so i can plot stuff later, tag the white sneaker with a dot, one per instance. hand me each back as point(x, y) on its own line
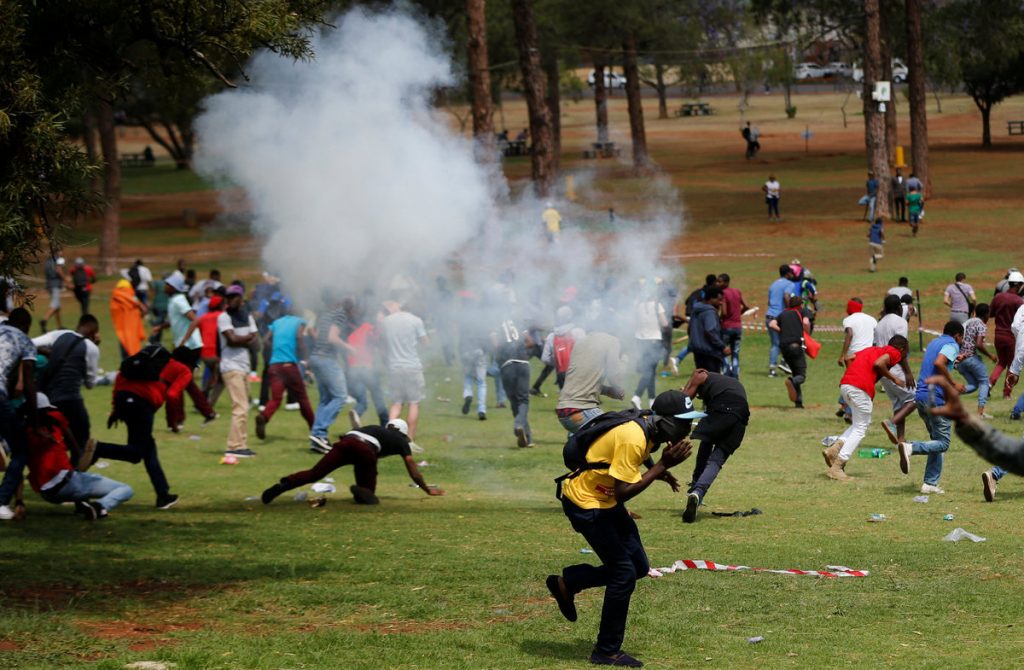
point(906, 449)
point(292, 406)
point(6, 513)
point(636, 401)
point(785, 367)
point(829, 441)
point(673, 365)
point(354, 419)
point(928, 488)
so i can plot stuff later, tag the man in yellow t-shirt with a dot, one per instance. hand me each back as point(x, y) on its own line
point(594, 501)
point(552, 222)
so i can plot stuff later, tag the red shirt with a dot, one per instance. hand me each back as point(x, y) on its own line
point(732, 299)
point(1003, 308)
point(861, 372)
point(207, 327)
point(362, 339)
point(173, 380)
point(47, 452)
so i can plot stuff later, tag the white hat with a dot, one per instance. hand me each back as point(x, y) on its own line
point(176, 280)
point(42, 402)
point(60, 260)
point(400, 425)
point(1015, 277)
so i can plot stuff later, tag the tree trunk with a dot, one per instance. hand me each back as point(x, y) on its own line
point(787, 94)
point(659, 79)
point(874, 121)
point(89, 139)
point(534, 85)
point(986, 127)
point(480, 78)
point(600, 99)
point(918, 97)
point(891, 131)
point(555, 105)
point(110, 237)
point(641, 161)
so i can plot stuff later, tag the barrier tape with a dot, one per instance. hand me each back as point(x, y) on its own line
point(830, 570)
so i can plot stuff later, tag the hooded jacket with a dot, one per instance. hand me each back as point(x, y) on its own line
point(706, 331)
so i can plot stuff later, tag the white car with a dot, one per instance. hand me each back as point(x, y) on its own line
point(838, 69)
point(611, 79)
point(809, 71)
point(899, 72)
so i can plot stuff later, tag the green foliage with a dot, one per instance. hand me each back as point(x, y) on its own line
point(791, 112)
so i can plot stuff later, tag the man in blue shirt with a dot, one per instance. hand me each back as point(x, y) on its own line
point(285, 338)
point(778, 297)
point(876, 238)
point(938, 360)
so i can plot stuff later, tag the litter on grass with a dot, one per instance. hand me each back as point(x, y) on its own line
point(99, 465)
point(194, 438)
point(876, 518)
point(323, 487)
point(251, 498)
point(921, 499)
point(948, 517)
point(584, 550)
point(756, 639)
point(300, 496)
point(958, 534)
point(829, 571)
point(750, 512)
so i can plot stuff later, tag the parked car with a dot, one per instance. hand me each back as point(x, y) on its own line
point(899, 72)
point(611, 80)
point(809, 71)
point(838, 69)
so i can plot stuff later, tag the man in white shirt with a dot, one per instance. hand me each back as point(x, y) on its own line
point(238, 336)
point(187, 346)
point(893, 323)
point(403, 333)
point(772, 191)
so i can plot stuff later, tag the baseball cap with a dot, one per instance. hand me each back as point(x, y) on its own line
point(400, 425)
point(676, 404)
point(79, 261)
point(235, 289)
point(176, 280)
point(42, 402)
point(1015, 277)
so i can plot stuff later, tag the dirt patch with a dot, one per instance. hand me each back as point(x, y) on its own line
point(9, 645)
point(64, 596)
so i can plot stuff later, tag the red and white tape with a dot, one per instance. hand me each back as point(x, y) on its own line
point(830, 570)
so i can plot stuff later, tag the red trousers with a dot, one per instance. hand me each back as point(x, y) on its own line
point(287, 376)
point(346, 451)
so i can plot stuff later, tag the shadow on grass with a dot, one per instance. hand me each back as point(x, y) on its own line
point(577, 650)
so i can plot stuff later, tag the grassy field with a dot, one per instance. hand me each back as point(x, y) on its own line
point(222, 581)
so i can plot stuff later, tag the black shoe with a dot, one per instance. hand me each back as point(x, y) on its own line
point(840, 413)
point(466, 402)
point(166, 501)
point(520, 438)
point(620, 658)
point(482, 416)
point(241, 453)
point(363, 496)
point(565, 605)
point(798, 405)
point(534, 391)
point(85, 510)
point(692, 503)
point(101, 511)
point(271, 493)
point(210, 419)
point(261, 426)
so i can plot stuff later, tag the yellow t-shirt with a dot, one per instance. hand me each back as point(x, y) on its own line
point(552, 219)
point(625, 447)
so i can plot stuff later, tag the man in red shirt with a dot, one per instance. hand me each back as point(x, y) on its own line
point(363, 373)
point(1002, 309)
point(733, 307)
point(50, 472)
point(136, 403)
point(857, 388)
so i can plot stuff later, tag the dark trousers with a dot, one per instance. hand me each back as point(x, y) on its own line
point(773, 206)
point(649, 355)
point(346, 451)
point(709, 363)
point(616, 540)
point(732, 337)
point(83, 296)
point(720, 434)
point(515, 377)
point(364, 385)
point(74, 411)
point(175, 411)
point(137, 415)
point(287, 376)
point(795, 358)
point(12, 429)
point(542, 377)
point(899, 208)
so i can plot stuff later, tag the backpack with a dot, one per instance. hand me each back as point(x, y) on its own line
point(79, 277)
point(562, 346)
point(134, 277)
point(63, 348)
point(147, 364)
point(574, 453)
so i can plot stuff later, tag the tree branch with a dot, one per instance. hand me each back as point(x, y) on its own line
point(214, 70)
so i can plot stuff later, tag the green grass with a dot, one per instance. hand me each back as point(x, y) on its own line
point(161, 178)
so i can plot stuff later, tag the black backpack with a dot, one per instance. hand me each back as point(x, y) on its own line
point(147, 364)
point(574, 453)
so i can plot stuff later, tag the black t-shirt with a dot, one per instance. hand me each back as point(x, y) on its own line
point(791, 325)
point(334, 317)
point(392, 442)
point(511, 344)
point(724, 394)
point(66, 370)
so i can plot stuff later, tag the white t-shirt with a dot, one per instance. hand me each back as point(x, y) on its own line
point(649, 314)
point(402, 332)
point(234, 359)
point(899, 291)
point(863, 328)
point(772, 188)
point(889, 325)
point(145, 278)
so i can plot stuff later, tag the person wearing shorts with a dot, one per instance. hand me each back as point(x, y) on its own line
point(402, 333)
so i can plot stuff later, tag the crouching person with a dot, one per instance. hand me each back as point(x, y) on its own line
point(51, 474)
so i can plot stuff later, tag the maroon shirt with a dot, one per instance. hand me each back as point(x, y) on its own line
point(1003, 308)
point(732, 300)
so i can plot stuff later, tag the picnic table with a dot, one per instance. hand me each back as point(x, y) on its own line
point(602, 150)
point(515, 148)
point(1015, 127)
point(135, 160)
point(695, 109)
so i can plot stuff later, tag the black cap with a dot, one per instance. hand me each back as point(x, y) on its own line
point(676, 404)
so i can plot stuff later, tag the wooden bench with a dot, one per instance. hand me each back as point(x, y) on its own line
point(515, 148)
point(695, 109)
point(135, 160)
point(1015, 127)
point(602, 150)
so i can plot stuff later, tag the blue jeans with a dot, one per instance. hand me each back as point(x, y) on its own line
point(365, 384)
point(683, 353)
point(1018, 407)
point(732, 338)
point(973, 370)
point(576, 420)
point(12, 429)
point(773, 338)
point(515, 377)
point(939, 431)
point(330, 382)
point(997, 472)
point(84, 486)
point(474, 374)
point(500, 397)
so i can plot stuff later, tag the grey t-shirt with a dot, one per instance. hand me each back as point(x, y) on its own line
point(889, 325)
point(594, 363)
point(958, 303)
point(402, 332)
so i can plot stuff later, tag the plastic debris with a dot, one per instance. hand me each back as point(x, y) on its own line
point(415, 448)
point(229, 459)
point(877, 452)
point(251, 498)
point(921, 499)
point(301, 496)
point(654, 572)
point(151, 665)
point(323, 487)
point(948, 517)
point(329, 480)
point(423, 464)
point(584, 550)
point(876, 518)
point(756, 639)
point(958, 534)
point(99, 465)
point(194, 438)
point(317, 502)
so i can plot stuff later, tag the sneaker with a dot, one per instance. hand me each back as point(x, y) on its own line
point(890, 430)
point(930, 488)
point(619, 658)
point(635, 400)
point(178, 428)
point(520, 437)
point(785, 367)
point(210, 419)
point(988, 485)
point(317, 443)
point(829, 441)
point(166, 501)
point(840, 413)
point(291, 406)
point(534, 391)
point(6, 513)
point(87, 456)
point(1014, 416)
point(692, 503)
point(466, 402)
point(241, 453)
point(85, 510)
point(101, 511)
point(986, 416)
point(905, 449)
point(482, 416)
point(355, 419)
point(772, 373)
point(565, 600)
point(261, 426)
point(791, 389)
point(501, 405)
point(673, 366)
point(363, 496)
point(271, 493)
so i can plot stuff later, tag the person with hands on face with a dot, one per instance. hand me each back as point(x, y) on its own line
point(594, 502)
point(720, 431)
